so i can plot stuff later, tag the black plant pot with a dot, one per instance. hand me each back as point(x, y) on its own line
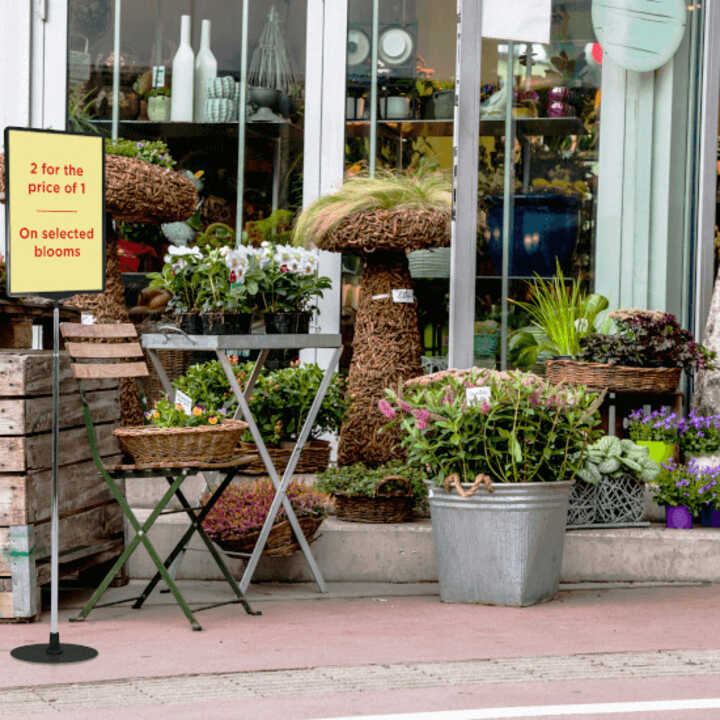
point(239, 323)
point(190, 323)
point(288, 323)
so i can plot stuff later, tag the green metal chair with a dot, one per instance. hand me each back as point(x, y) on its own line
point(111, 351)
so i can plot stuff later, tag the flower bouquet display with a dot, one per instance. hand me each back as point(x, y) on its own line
point(610, 485)
point(180, 433)
point(491, 442)
point(288, 287)
point(235, 521)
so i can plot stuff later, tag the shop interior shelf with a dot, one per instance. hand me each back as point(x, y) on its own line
point(142, 129)
point(527, 127)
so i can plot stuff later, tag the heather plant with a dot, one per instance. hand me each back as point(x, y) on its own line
point(242, 509)
point(690, 485)
point(700, 434)
point(656, 426)
point(646, 338)
point(513, 427)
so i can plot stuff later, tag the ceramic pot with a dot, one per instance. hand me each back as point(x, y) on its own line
point(396, 107)
point(158, 109)
point(264, 97)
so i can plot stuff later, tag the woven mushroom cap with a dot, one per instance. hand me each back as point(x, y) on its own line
point(136, 191)
point(395, 230)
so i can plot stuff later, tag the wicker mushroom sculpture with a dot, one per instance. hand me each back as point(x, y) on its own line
point(398, 214)
point(139, 192)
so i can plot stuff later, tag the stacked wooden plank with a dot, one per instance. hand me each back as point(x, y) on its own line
point(91, 525)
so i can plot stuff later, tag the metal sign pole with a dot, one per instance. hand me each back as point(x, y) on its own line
point(54, 652)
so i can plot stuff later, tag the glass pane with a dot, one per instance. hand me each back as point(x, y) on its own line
point(556, 94)
point(416, 67)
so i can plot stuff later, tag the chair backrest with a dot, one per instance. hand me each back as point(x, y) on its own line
point(104, 354)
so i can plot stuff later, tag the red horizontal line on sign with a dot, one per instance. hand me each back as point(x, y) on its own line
point(58, 211)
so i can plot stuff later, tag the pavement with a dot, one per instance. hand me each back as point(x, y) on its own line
point(597, 650)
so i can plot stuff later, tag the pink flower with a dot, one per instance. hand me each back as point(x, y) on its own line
point(449, 398)
point(284, 268)
point(404, 406)
point(422, 424)
point(386, 409)
point(485, 408)
point(422, 416)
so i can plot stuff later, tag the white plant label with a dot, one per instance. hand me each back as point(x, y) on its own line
point(87, 318)
point(404, 295)
point(184, 401)
point(158, 76)
point(478, 395)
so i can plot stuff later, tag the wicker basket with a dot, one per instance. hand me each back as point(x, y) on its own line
point(281, 540)
point(614, 378)
point(315, 457)
point(620, 500)
point(207, 443)
point(582, 504)
point(393, 507)
point(175, 362)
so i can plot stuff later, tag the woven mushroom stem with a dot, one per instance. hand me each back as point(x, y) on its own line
point(398, 230)
point(386, 351)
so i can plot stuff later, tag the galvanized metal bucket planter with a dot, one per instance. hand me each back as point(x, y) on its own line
point(500, 548)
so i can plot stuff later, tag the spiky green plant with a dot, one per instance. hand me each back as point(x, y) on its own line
point(424, 189)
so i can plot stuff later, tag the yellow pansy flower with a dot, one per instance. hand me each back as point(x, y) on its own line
point(197, 411)
point(212, 420)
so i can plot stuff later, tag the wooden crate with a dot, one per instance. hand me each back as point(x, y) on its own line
point(17, 318)
point(91, 522)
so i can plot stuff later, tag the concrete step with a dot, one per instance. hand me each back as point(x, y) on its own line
point(403, 553)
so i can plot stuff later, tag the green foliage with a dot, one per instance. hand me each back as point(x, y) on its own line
point(528, 431)
point(688, 485)
point(276, 228)
point(220, 291)
point(80, 113)
point(167, 415)
point(181, 277)
point(155, 152)
point(159, 91)
point(280, 401)
point(612, 457)
point(216, 235)
point(358, 479)
point(424, 189)
point(562, 311)
point(657, 426)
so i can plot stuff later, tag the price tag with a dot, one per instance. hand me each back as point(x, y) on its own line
point(87, 318)
point(184, 401)
point(478, 395)
point(158, 76)
point(404, 295)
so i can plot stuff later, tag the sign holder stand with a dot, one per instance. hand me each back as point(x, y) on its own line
point(54, 652)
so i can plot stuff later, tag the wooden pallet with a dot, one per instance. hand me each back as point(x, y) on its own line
point(91, 522)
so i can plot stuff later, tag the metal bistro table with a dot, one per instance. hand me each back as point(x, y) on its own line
point(174, 339)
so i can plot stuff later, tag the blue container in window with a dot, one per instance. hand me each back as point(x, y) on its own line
point(545, 228)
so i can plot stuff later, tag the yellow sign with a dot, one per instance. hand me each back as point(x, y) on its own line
point(55, 205)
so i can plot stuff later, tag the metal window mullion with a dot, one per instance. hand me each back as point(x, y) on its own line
point(242, 124)
point(116, 69)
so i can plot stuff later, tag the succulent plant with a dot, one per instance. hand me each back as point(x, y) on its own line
point(612, 457)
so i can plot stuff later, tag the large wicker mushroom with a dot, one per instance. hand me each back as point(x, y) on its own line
point(381, 220)
point(135, 191)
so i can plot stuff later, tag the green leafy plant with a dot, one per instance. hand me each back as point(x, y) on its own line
point(688, 485)
point(656, 426)
point(562, 311)
point(215, 236)
point(159, 92)
point(275, 228)
point(155, 152)
point(612, 457)
point(169, 415)
point(280, 401)
point(80, 111)
point(358, 479)
point(699, 434)
point(422, 189)
point(242, 509)
point(180, 276)
point(229, 281)
point(525, 431)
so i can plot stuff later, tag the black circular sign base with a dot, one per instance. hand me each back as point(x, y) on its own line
point(45, 653)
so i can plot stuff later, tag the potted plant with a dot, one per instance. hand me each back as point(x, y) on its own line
point(645, 352)
point(699, 439)
point(501, 451)
point(235, 521)
point(158, 105)
point(384, 494)
point(709, 494)
point(609, 486)
point(180, 433)
point(679, 491)
point(287, 287)
point(658, 431)
point(180, 277)
point(279, 403)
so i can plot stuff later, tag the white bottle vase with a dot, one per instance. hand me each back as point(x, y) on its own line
point(181, 107)
point(205, 69)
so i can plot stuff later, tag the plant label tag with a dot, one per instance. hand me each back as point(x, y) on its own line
point(158, 76)
point(478, 395)
point(404, 295)
point(87, 318)
point(184, 401)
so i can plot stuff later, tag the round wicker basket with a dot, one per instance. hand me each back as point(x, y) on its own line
point(314, 458)
point(207, 443)
point(391, 507)
point(281, 540)
point(614, 378)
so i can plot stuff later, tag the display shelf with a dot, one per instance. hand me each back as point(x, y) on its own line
point(525, 127)
point(142, 129)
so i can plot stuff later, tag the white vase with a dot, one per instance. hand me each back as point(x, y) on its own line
point(205, 69)
point(182, 76)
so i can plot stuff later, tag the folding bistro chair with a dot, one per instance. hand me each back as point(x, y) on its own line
point(112, 351)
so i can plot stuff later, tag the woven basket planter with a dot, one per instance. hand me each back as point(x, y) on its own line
point(582, 504)
point(281, 541)
point(207, 443)
point(614, 378)
point(620, 500)
point(315, 457)
point(383, 507)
